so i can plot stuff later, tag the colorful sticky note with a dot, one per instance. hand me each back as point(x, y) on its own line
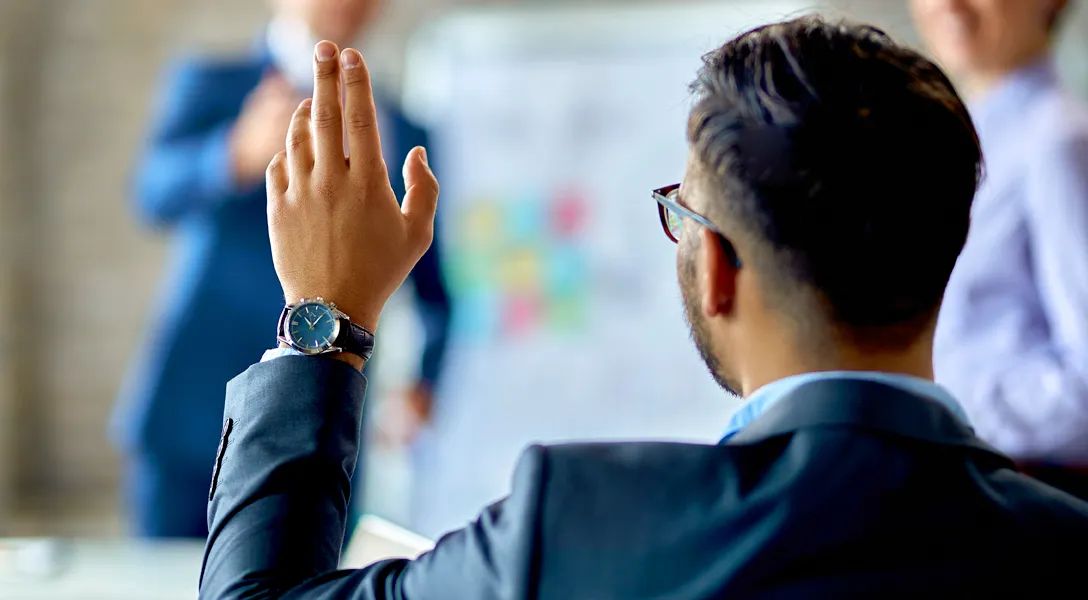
point(567, 312)
point(520, 270)
point(521, 314)
point(525, 220)
point(476, 316)
point(480, 226)
point(567, 271)
point(568, 214)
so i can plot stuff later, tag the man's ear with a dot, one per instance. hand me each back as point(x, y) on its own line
point(719, 276)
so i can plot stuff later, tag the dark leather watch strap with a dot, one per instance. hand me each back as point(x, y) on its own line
point(281, 326)
point(355, 339)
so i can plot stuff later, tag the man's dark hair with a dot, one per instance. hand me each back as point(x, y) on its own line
point(846, 161)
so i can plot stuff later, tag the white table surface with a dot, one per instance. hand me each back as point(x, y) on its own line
point(126, 569)
point(99, 570)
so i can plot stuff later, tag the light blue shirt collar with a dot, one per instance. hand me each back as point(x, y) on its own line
point(760, 400)
point(996, 107)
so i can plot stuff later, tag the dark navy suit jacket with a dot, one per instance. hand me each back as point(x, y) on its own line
point(842, 489)
point(222, 298)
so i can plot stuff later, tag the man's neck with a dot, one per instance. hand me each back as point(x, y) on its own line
point(788, 361)
point(980, 82)
point(291, 45)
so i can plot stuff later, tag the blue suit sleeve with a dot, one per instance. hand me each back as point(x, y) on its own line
point(433, 304)
point(280, 493)
point(432, 298)
point(186, 166)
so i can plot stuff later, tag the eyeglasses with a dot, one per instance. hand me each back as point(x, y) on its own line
point(673, 213)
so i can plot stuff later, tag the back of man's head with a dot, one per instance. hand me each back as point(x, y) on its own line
point(843, 166)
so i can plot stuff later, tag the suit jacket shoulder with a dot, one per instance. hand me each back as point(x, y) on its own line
point(588, 520)
point(627, 520)
point(199, 92)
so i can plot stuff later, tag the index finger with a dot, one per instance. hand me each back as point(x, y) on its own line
point(364, 143)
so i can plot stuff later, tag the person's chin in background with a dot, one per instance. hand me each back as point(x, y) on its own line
point(339, 21)
point(982, 41)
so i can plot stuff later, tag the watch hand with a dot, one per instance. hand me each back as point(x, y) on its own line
point(318, 320)
point(308, 323)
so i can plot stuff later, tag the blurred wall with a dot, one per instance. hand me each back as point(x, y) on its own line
point(78, 275)
point(12, 186)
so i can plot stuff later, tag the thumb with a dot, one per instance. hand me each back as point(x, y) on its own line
point(421, 196)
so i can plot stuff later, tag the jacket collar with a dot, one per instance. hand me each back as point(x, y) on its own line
point(759, 401)
point(866, 405)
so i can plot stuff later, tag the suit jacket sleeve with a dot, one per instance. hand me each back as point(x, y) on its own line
point(280, 492)
point(432, 298)
point(186, 166)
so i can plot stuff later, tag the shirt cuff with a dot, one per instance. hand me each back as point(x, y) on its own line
point(280, 353)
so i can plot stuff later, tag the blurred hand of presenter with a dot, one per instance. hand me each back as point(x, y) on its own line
point(262, 127)
point(1012, 338)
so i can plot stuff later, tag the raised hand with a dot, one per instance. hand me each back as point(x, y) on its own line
point(337, 231)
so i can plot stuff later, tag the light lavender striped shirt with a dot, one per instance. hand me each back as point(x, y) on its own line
point(1012, 338)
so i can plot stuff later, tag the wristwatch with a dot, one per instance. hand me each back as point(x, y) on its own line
point(313, 327)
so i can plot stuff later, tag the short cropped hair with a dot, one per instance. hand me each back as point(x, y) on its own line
point(847, 161)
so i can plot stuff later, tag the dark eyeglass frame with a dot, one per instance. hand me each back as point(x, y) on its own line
point(665, 204)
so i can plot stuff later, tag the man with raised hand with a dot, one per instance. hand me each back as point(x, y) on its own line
point(827, 195)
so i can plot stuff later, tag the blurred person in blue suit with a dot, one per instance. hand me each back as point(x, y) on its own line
point(202, 177)
point(1012, 340)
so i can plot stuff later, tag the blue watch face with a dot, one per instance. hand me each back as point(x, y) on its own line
point(312, 326)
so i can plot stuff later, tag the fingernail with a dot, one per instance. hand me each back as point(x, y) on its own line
point(423, 154)
point(350, 58)
point(325, 51)
point(307, 103)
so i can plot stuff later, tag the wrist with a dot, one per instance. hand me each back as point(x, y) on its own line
point(369, 321)
point(357, 362)
point(316, 327)
point(356, 310)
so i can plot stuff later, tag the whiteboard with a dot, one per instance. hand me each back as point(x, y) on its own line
point(550, 127)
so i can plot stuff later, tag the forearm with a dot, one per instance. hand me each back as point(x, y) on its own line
point(433, 306)
point(280, 492)
point(282, 481)
point(436, 324)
